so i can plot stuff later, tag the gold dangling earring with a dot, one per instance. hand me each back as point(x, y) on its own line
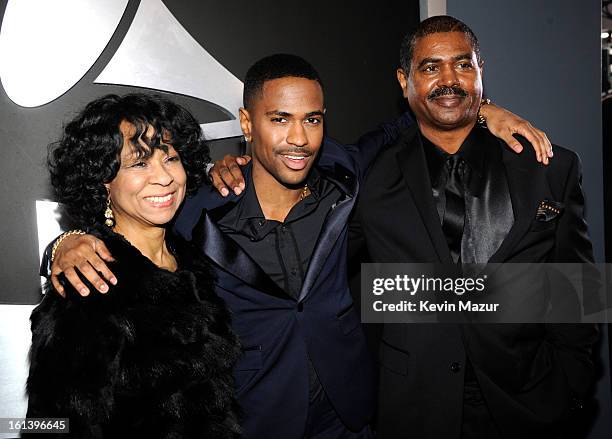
point(108, 214)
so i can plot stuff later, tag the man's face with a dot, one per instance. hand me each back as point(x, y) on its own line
point(285, 127)
point(444, 86)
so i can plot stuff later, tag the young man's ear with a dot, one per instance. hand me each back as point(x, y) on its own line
point(402, 78)
point(245, 123)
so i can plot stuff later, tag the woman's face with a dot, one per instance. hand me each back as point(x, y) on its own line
point(146, 191)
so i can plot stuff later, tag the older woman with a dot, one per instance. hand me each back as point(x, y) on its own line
point(153, 357)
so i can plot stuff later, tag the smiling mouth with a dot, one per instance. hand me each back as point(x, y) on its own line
point(161, 200)
point(449, 100)
point(295, 162)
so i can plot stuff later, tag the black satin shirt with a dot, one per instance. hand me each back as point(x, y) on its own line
point(473, 154)
point(282, 249)
point(486, 195)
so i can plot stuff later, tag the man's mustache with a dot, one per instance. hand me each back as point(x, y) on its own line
point(302, 150)
point(447, 91)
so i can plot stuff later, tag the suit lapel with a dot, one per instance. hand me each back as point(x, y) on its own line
point(525, 188)
point(335, 222)
point(413, 166)
point(229, 256)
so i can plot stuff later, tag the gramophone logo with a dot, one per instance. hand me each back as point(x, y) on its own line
point(47, 46)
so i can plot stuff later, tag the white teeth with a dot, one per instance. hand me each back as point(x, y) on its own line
point(295, 157)
point(159, 199)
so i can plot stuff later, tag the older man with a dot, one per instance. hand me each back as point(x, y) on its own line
point(446, 192)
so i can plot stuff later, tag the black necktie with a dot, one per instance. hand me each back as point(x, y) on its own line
point(454, 211)
point(452, 225)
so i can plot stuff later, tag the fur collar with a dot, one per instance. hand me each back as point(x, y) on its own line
point(138, 275)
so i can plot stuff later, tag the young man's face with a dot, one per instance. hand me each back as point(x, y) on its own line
point(444, 86)
point(285, 127)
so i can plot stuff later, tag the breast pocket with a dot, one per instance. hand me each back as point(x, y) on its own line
point(547, 215)
point(247, 367)
point(543, 226)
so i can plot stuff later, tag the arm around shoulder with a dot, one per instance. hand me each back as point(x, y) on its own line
point(367, 148)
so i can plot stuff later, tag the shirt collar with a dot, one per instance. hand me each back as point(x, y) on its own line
point(471, 150)
point(250, 208)
point(248, 219)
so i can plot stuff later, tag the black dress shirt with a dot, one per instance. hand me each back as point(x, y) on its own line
point(435, 157)
point(473, 154)
point(476, 417)
point(283, 249)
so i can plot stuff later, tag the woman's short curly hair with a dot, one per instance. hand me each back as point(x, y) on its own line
point(88, 154)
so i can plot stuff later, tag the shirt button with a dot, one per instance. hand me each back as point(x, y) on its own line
point(284, 228)
point(300, 307)
point(261, 222)
point(294, 271)
point(456, 366)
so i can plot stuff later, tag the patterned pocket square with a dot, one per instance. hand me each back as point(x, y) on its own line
point(549, 210)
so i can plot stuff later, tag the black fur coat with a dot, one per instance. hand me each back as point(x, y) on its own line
point(151, 358)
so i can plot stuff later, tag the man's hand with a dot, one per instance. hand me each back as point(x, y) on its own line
point(503, 124)
point(226, 173)
point(87, 254)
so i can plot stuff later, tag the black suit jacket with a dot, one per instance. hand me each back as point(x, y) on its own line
point(528, 373)
point(279, 332)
